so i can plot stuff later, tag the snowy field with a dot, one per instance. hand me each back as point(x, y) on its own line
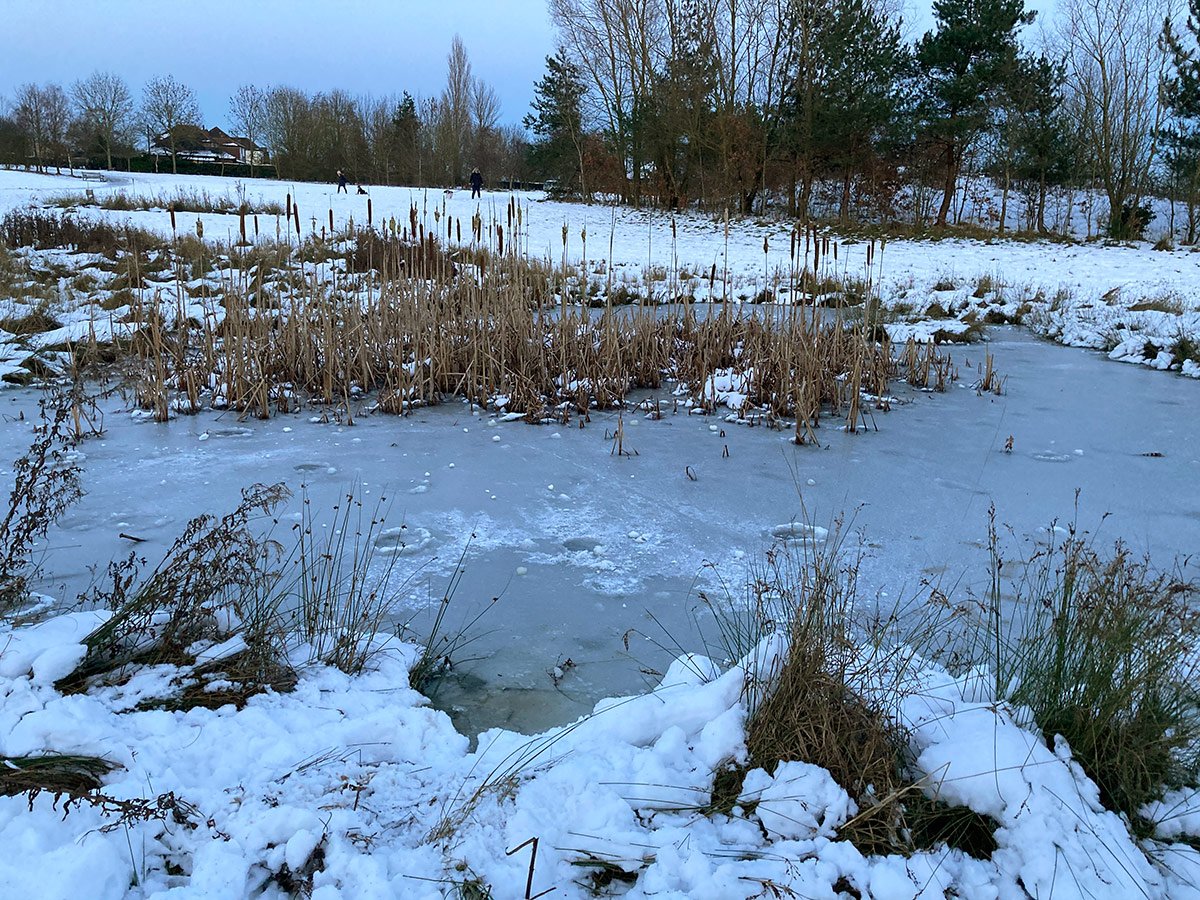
point(358, 787)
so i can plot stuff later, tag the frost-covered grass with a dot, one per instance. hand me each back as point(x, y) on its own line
point(1082, 294)
point(181, 200)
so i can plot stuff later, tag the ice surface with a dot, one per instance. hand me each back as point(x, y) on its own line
point(917, 491)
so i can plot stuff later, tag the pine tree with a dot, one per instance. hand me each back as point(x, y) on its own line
point(864, 66)
point(557, 123)
point(1181, 97)
point(964, 65)
point(845, 90)
point(1042, 140)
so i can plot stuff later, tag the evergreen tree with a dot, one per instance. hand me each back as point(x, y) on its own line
point(1042, 140)
point(845, 90)
point(965, 64)
point(406, 138)
point(557, 123)
point(864, 65)
point(679, 118)
point(1181, 97)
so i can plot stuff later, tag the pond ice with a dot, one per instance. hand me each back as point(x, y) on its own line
point(915, 493)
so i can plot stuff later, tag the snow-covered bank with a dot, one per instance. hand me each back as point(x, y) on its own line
point(354, 786)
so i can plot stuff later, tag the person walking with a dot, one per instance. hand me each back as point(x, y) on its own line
point(476, 184)
point(341, 181)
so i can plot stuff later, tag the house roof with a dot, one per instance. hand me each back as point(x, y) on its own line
point(195, 139)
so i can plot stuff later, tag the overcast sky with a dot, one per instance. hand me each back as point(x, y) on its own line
point(362, 46)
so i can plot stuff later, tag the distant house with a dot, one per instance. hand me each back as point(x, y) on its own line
point(209, 146)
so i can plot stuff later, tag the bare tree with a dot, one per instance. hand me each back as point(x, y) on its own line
point(248, 115)
point(287, 130)
point(43, 113)
point(485, 116)
point(454, 129)
point(619, 45)
point(1115, 65)
point(104, 107)
point(167, 104)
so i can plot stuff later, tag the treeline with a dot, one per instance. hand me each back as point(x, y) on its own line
point(377, 140)
point(822, 107)
point(817, 108)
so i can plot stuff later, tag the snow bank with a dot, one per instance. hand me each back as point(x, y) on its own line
point(357, 785)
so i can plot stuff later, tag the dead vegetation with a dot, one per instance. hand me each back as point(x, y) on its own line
point(53, 773)
point(391, 312)
point(46, 482)
point(827, 700)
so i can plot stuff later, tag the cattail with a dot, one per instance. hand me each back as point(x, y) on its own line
point(242, 224)
point(256, 226)
point(171, 210)
point(331, 222)
point(287, 206)
point(199, 228)
point(369, 223)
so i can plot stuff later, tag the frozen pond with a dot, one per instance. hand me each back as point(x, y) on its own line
point(586, 549)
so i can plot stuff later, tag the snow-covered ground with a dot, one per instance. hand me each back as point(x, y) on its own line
point(357, 787)
point(1128, 299)
point(361, 785)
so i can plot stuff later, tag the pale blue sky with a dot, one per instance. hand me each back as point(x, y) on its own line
point(362, 46)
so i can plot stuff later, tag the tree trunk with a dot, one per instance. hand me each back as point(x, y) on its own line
point(845, 206)
point(1041, 204)
point(748, 200)
point(1004, 201)
point(806, 181)
point(793, 206)
point(948, 187)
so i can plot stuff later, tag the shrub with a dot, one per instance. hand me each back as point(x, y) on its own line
point(823, 703)
point(198, 591)
point(45, 485)
point(1100, 648)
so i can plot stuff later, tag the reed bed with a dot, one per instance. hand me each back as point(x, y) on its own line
point(419, 340)
point(409, 313)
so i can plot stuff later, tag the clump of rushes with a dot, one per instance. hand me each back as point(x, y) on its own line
point(1100, 647)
